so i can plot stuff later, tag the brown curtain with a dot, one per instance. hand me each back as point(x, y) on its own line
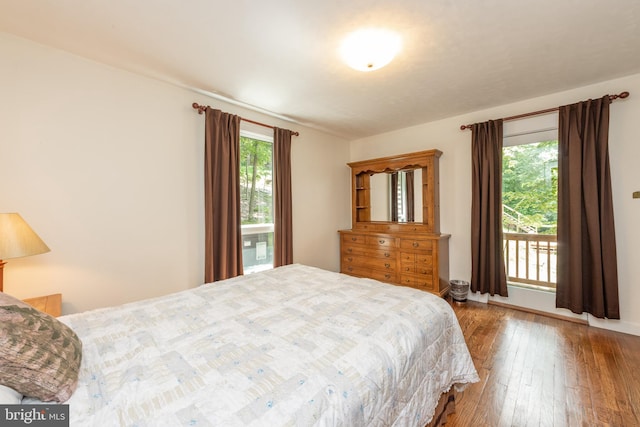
point(394, 196)
point(587, 265)
point(487, 258)
point(283, 221)
point(223, 235)
point(410, 197)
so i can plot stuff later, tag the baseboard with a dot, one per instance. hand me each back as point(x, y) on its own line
point(540, 313)
point(615, 325)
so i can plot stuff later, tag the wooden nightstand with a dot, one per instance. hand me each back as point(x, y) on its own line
point(50, 304)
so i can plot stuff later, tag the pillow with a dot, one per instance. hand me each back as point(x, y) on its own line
point(39, 355)
point(9, 396)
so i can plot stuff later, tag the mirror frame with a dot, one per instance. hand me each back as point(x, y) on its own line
point(361, 190)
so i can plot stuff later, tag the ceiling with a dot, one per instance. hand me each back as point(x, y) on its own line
point(281, 56)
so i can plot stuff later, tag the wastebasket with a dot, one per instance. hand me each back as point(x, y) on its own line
point(459, 290)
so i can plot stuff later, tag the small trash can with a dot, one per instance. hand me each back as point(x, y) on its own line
point(459, 290)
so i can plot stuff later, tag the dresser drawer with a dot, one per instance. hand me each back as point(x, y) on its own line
point(424, 282)
point(424, 260)
point(406, 267)
point(415, 261)
point(381, 241)
point(415, 269)
point(383, 276)
point(407, 257)
point(369, 263)
point(407, 262)
point(416, 244)
point(353, 239)
point(424, 271)
point(365, 251)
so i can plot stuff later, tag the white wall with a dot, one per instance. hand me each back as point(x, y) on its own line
point(107, 167)
point(455, 184)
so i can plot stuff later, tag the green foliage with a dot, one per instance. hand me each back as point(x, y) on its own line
point(256, 178)
point(530, 183)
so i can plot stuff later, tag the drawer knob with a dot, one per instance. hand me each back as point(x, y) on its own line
point(354, 239)
point(350, 268)
point(387, 254)
point(416, 244)
point(387, 276)
point(349, 259)
point(381, 241)
point(386, 264)
point(350, 250)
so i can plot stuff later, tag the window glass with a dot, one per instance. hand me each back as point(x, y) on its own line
point(530, 187)
point(256, 201)
point(529, 202)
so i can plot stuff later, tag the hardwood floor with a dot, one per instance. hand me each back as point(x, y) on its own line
point(540, 371)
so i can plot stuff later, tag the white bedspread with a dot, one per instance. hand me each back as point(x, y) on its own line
point(294, 346)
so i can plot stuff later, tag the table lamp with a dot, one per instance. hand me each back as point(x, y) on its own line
point(17, 240)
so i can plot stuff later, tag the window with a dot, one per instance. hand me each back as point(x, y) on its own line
point(398, 196)
point(530, 200)
point(256, 201)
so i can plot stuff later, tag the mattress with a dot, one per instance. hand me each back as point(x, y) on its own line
point(292, 346)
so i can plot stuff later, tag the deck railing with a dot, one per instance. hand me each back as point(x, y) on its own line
point(531, 258)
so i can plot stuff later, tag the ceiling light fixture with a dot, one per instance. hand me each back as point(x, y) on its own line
point(370, 49)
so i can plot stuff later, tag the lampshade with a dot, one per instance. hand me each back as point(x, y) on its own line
point(17, 239)
point(369, 49)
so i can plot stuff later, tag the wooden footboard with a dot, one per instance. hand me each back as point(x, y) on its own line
point(446, 406)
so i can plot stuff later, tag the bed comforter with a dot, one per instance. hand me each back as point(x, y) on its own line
point(293, 346)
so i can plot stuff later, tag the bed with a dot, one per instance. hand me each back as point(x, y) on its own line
point(292, 346)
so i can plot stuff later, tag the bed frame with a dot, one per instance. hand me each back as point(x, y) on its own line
point(446, 406)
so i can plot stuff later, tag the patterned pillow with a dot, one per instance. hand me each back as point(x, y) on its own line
point(39, 355)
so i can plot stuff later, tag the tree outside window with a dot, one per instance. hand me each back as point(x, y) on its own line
point(256, 203)
point(530, 185)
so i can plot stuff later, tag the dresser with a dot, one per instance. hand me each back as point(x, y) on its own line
point(418, 260)
point(413, 254)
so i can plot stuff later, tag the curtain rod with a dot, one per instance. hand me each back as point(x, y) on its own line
point(623, 95)
point(201, 109)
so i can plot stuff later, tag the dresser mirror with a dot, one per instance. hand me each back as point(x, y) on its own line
point(396, 197)
point(396, 191)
